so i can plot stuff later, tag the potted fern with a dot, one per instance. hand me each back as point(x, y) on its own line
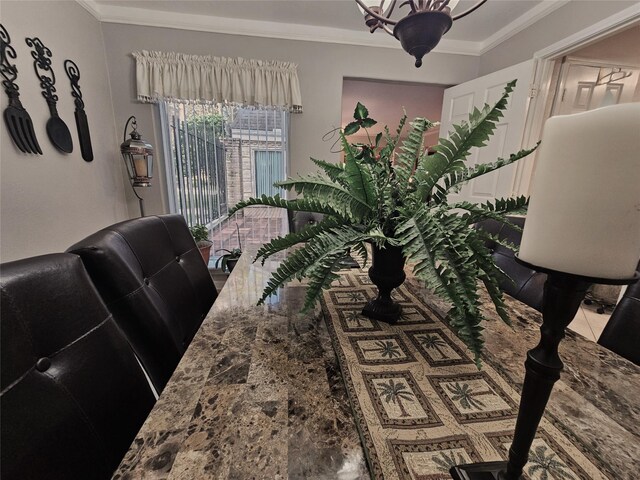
point(393, 195)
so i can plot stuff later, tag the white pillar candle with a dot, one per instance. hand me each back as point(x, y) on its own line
point(584, 212)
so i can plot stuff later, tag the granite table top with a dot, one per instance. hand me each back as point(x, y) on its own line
point(259, 394)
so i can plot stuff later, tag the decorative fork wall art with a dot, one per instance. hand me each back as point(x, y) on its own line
point(16, 117)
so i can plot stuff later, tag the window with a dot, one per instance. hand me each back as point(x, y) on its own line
point(221, 154)
point(196, 165)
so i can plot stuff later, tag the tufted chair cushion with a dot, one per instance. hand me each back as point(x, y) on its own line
point(73, 394)
point(526, 285)
point(622, 332)
point(152, 277)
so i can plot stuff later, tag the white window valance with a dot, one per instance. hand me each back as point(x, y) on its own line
point(164, 75)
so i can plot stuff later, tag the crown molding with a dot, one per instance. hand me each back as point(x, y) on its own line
point(92, 7)
point(607, 26)
point(313, 33)
point(519, 24)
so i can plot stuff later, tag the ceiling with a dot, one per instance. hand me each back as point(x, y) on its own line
point(335, 21)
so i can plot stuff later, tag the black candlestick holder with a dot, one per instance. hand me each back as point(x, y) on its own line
point(563, 293)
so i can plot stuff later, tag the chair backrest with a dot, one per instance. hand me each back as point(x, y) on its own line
point(622, 332)
point(300, 220)
point(73, 394)
point(152, 277)
point(526, 285)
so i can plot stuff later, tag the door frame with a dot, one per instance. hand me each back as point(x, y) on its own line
point(542, 89)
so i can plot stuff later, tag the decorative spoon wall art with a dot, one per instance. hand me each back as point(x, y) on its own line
point(16, 117)
point(56, 129)
point(73, 72)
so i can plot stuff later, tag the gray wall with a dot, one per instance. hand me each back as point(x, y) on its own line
point(321, 68)
point(49, 202)
point(564, 22)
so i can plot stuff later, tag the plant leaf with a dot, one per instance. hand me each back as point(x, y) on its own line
point(412, 149)
point(437, 245)
point(318, 260)
point(360, 112)
point(367, 122)
point(455, 179)
point(299, 204)
point(358, 177)
point(282, 243)
point(496, 210)
point(323, 190)
point(334, 171)
point(351, 128)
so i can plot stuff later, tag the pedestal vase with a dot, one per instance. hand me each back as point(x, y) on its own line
point(386, 273)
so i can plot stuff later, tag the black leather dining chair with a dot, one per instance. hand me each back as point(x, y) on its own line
point(523, 284)
point(300, 220)
point(151, 275)
point(622, 332)
point(73, 394)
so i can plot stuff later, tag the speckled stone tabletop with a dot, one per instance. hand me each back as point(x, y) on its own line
point(259, 395)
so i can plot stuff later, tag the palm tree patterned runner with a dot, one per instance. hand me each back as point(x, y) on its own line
point(421, 403)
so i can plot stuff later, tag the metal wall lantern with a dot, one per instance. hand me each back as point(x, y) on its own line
point(137, 154)
point(421, 29)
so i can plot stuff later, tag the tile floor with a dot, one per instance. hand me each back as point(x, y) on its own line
point(589, 323)
point(256, 226)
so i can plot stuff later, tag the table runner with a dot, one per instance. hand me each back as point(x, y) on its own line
point(420, 403)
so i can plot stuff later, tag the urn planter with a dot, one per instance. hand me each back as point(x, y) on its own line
point(386, 273)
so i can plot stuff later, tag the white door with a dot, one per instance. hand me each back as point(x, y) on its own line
point(460, 100)
point(586, 85)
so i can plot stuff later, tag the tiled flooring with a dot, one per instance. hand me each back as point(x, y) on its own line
point(255, 226)
point(589, 323)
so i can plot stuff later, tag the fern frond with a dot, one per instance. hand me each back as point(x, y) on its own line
point(454, 180)
point(290, 268)
point(490, 274)
point(411, 150)
point(452, 152)
point(335, 171)
point(357, 176)
point(298, 204)
point(496, 239)
point(496, 210)
point(321, 276)
point(361, 251)
point(392, 141)
point(323, 190)
point(317, 260)
point(446, 264)
point(279, 244)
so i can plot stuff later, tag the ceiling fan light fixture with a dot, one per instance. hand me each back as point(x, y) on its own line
point(421, 29)
point(420, 32)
